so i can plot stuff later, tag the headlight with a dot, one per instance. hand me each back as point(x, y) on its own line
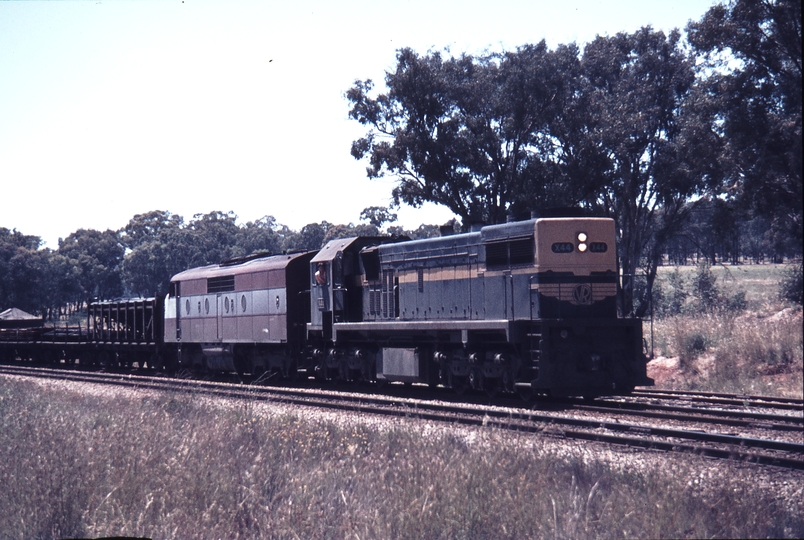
point(582, 241)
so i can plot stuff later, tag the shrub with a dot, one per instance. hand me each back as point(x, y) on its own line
point(736, 302)
point(694, 343)
point(677, 296)
point(690, 346)
point(688, 339)
point(790, 287)
point(707, 295)
point(668, 296)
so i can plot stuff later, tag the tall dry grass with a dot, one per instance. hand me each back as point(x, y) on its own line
point(745, 354)
point(76, 465)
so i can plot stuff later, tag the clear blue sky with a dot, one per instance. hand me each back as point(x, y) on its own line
point(113, 108)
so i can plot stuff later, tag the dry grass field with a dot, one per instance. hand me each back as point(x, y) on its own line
point(77, 462)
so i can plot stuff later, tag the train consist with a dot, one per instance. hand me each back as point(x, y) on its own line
point(525, 307)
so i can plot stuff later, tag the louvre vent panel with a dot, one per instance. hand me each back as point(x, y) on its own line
point(220, 284)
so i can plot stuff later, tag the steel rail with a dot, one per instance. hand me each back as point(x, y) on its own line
point(690, 414)
point(724, 399)
point(798, 401)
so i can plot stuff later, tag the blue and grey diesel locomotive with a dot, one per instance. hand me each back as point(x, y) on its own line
point(527, 306)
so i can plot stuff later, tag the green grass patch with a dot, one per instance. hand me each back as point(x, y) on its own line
point(758, 282)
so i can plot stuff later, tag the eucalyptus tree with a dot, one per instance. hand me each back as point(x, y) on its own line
point(469, 133)
point(146, 227)
point(621, 128)
point(309, 238)
point(649, 128)
point(97, 255)
point(378, 216)
point(13, 246)
point(753, 71)
point(157, 247)
point(161, 245)
point(264, 234)
point(213, 237)
point(60, 284)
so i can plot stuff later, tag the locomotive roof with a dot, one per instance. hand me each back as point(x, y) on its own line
point(519, 229)
point(273, 262)
point(489, 233)
point(438, 242)
point(504, 231)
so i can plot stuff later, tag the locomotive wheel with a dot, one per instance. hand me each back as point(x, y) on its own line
point(322, 373)
point(508, 381)
point(365, 373)
point(491, 386)
point(458, 384)
point(525, 393)
point(343, 372)
point(475, 380)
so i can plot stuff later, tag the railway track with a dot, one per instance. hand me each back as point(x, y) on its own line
point(712, 415)
point(780, 423)
point(717, 398)
point(603, 422)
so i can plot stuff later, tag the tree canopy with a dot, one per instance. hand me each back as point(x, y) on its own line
point(472, 134)
point(643, 117)
point(140, 258)
point(752, 50)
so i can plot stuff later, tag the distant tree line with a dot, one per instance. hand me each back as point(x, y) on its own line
point(692, 144)
point(718, 232)
point(139, 259)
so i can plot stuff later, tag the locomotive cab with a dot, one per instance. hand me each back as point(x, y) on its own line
point(336, 291)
